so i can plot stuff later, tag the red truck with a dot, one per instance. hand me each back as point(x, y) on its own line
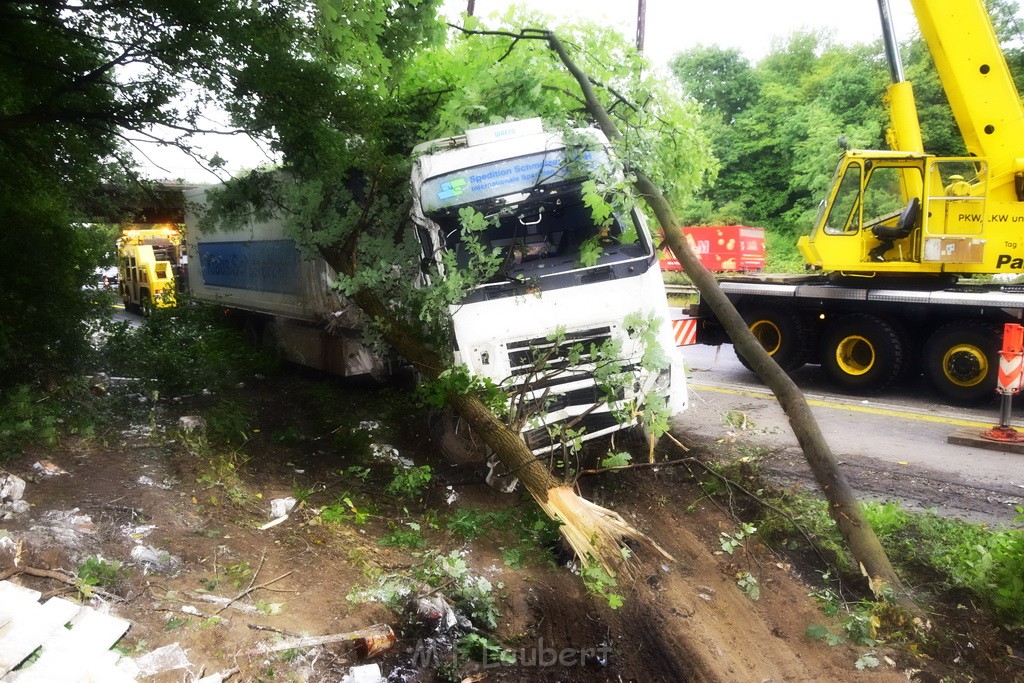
point(722, 248)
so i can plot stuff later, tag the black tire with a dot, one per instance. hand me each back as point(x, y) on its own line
point(862, 352)
point(453, 438)
point(961, 360)
point(783, 333)
point(252, 331)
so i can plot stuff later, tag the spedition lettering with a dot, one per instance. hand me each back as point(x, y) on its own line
point(496, 173)
point(270, 266)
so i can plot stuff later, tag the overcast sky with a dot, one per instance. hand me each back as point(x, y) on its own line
point(749, 25)
point(672, 26)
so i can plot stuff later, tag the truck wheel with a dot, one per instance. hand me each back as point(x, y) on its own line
point(452, 437)
point(862, 352)
point(782, 332)
point(962, 360)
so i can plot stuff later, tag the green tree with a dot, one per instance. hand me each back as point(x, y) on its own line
point(80, 84)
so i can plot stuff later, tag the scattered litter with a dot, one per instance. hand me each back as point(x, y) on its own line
point(218, 677)
point(451, 496)
point(436, 612)
point(11, 487)
point(191, 609)
point(191, 423)
point(383, 451)
point(274, 522)
point(226, 602)
point(369, 642)
point(139, 532)
point(153, 560)
point(367, 673)
point(147, 481)
point(67, 527)
point(369, 425)
point(48, 468)
point(279, 507)
point(14, 507)
point(164, 658)
point(240, 385)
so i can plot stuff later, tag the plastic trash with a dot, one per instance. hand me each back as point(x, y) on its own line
point(11, 487)
point(163, 658)
point(191, 423)
point(279, 507)
point(153, 560)
point(367, 673)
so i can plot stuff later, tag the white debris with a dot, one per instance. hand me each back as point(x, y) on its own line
point(66, 527)
point(279, 507)
point(369, 425)
point(154, 560)
point(435, 610)
point(388, 453)
point(368, 673)
point(162, 659)
point(137, 533)
point(11, 487)
point(48, 469)
point(146, 481)
point(451, 496)
point(191, 423)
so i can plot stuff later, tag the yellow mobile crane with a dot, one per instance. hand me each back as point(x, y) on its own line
point(899, 227)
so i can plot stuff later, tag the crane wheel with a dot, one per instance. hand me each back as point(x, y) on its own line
point(862, 352)
point(783, 333)
point(961, 360)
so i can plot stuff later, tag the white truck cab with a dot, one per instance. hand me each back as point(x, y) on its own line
point(528, 183)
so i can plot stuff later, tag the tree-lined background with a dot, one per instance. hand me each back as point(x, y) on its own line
point(775, 124)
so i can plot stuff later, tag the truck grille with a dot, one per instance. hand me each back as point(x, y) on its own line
point(594, 422)
point(524, 355)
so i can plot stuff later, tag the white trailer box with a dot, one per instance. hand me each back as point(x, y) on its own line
point(284, 299)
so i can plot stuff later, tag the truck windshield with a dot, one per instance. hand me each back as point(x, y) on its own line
point(545, 231)
point(499, 178)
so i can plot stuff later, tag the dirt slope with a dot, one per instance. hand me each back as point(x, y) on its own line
point(684, 620)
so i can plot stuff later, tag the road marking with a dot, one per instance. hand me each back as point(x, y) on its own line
point(888, 412)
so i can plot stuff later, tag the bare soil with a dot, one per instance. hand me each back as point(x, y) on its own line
point(682, 620)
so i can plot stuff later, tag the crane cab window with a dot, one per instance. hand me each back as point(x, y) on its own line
point(878, 200)
point(841, 219)
point(885, 193)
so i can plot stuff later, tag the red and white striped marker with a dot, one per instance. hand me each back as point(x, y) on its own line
point(1011, 365)
point(1011, 360)
point(685, 331)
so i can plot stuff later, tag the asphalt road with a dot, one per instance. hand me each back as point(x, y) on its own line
point(892, 446)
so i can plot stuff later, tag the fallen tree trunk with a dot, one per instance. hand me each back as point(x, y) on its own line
point(593, 532)
point(843, 504)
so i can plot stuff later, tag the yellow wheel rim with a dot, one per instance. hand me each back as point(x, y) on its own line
point(965, 365)
point(767, 334)
point(855, 355)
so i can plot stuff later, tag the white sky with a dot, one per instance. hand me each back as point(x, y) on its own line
point(749, 25)
point(672, 26)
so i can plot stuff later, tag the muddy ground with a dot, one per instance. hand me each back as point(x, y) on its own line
point(184, 519)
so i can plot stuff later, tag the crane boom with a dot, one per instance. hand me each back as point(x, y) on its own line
point(976, 79)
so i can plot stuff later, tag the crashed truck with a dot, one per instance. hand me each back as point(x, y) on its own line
point(547, 299)
point(561, 271)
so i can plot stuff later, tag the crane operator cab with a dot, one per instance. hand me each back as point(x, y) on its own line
point(901, 213)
